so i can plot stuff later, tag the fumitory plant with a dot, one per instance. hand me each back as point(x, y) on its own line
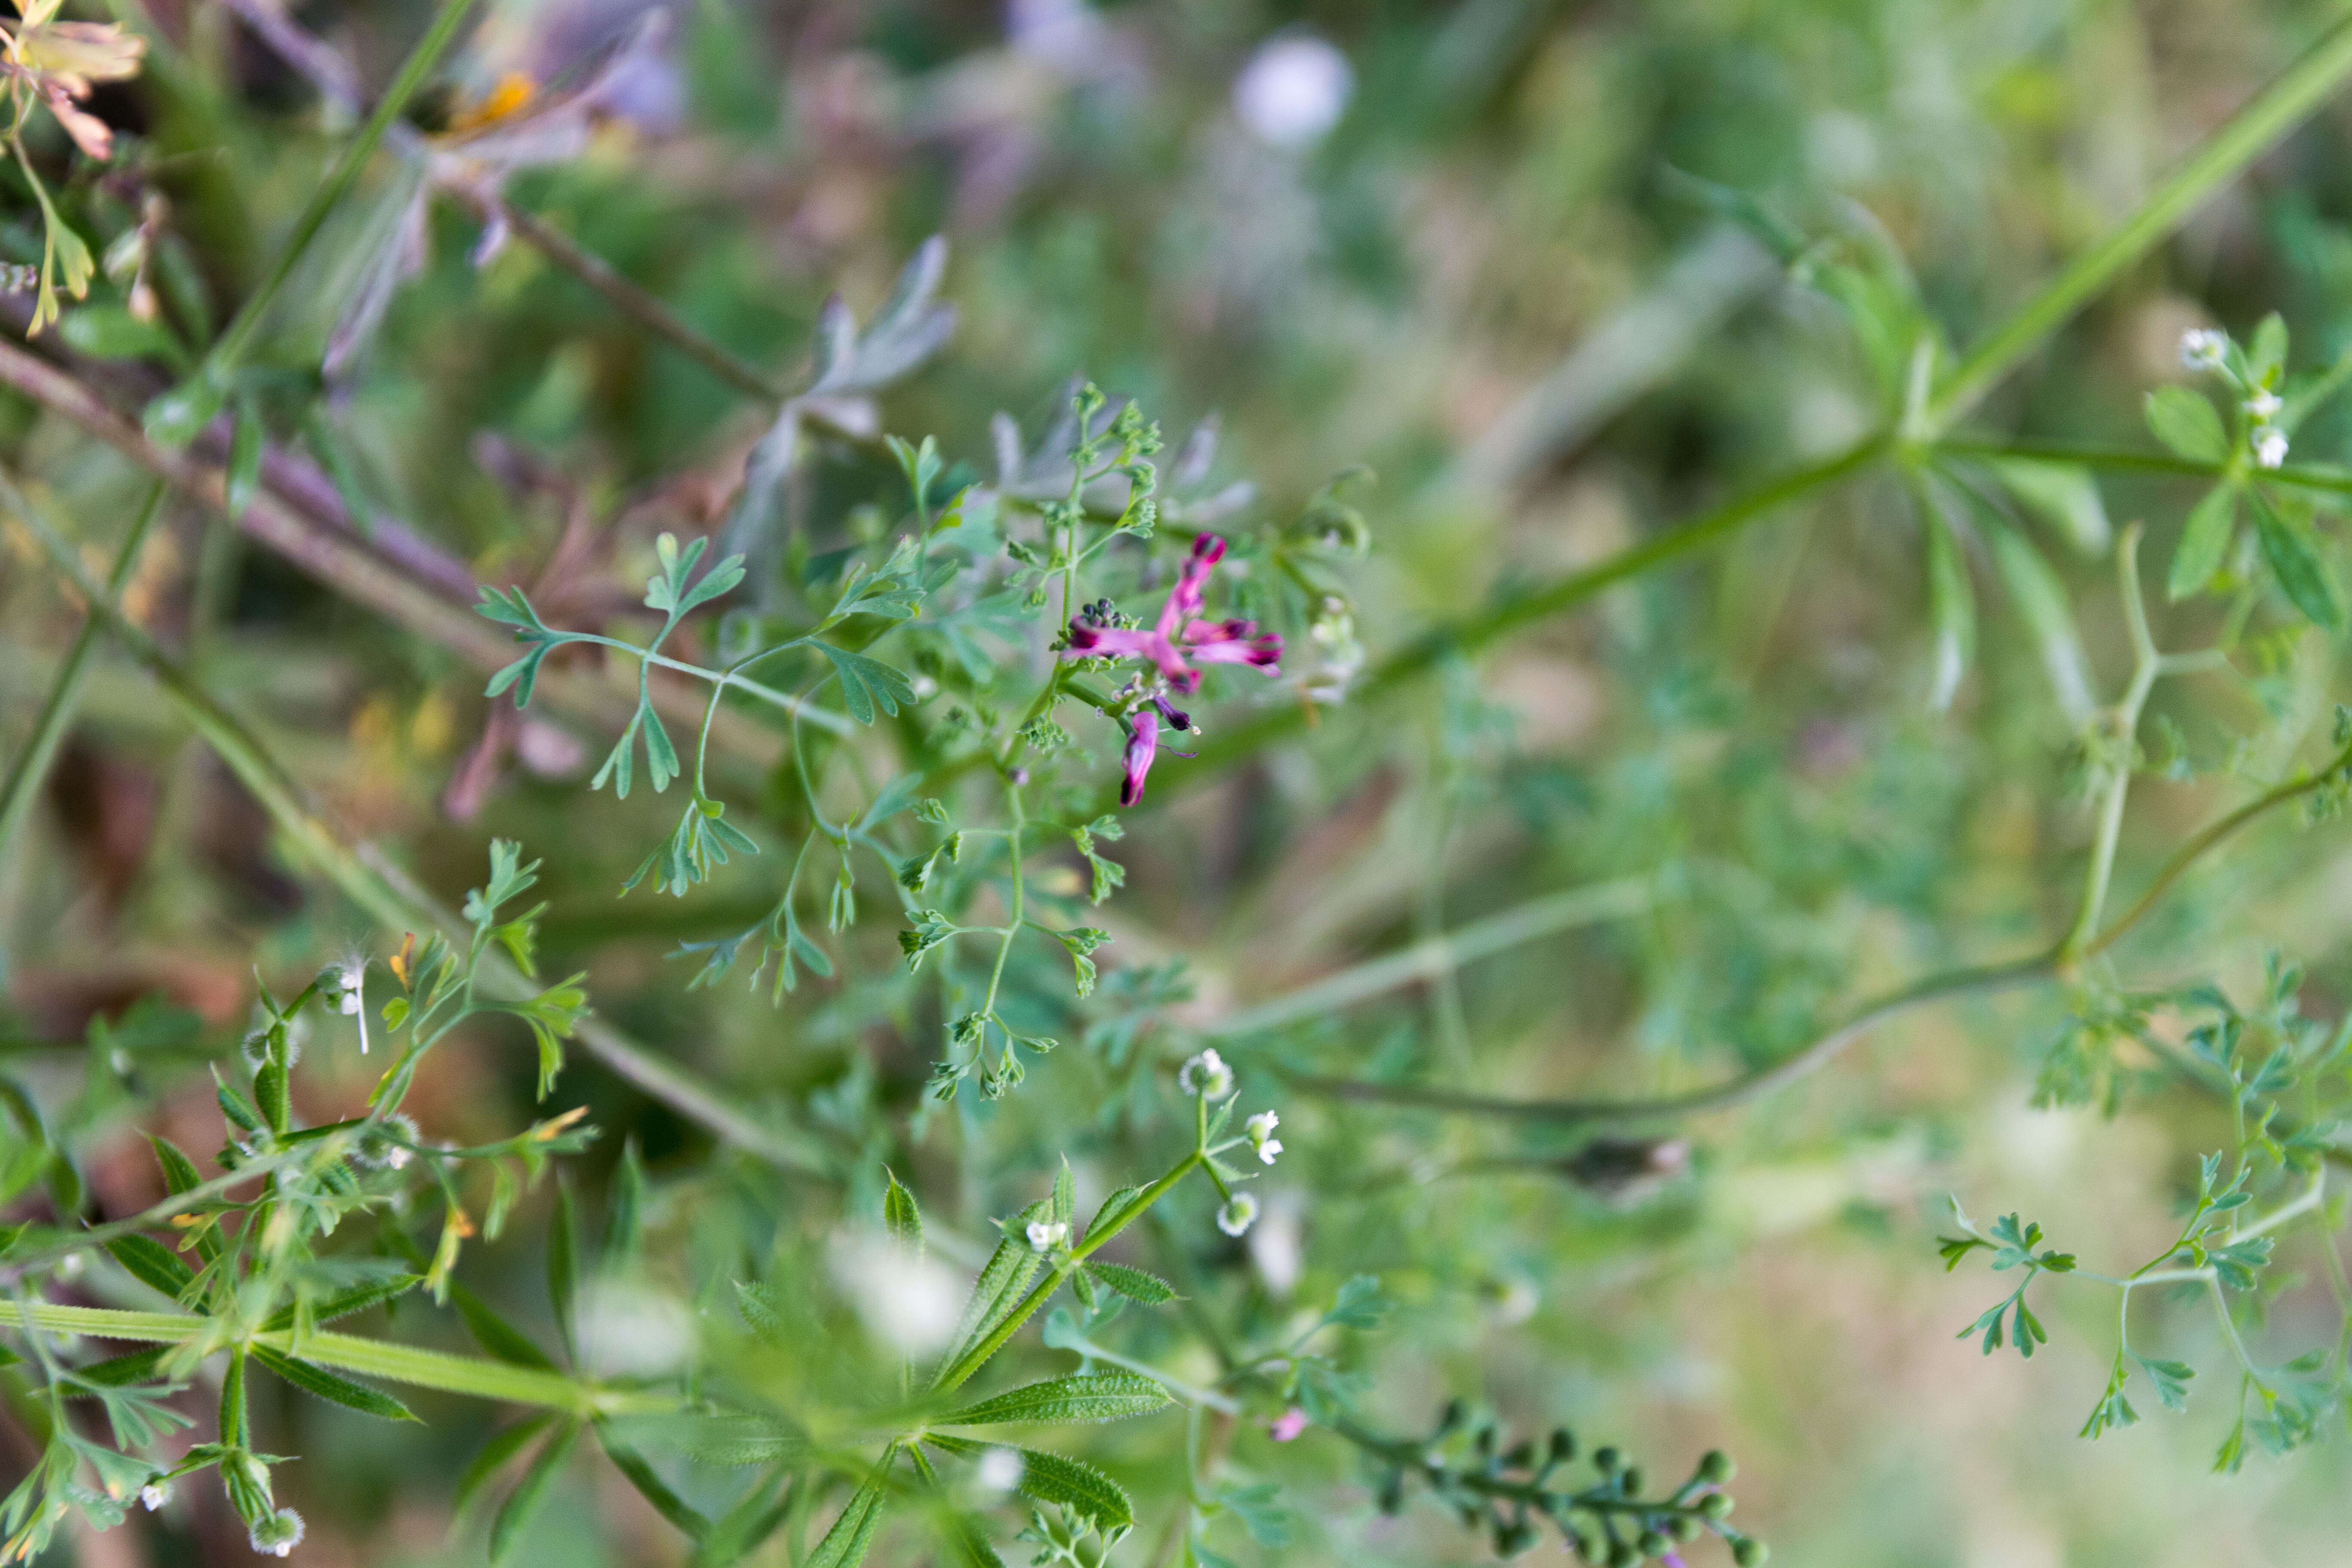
point(1142, 997)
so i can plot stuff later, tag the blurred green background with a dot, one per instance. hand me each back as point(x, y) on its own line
point(1518, 259)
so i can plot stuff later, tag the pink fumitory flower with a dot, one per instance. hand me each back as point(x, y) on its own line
point(1175, 647)
point(1287, 1426)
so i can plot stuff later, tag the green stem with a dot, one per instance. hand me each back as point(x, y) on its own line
point(2146, 664)
point(1441, 954)
point(972, 1360)
point(413, 72)
point(2300, 476)
point(474, 1375)
point(631, 300)
point(2263, 119)
point(1524, 609)
point(31, 767)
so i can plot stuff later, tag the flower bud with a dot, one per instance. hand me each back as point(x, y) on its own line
point(1749, 1552)
point(1562, 1445)
point(1624, 1554)
point(1632, 1480)
point(1715, 1505)
point(1716, 1467)
point(1607, 1460)
point(1682, 1527)
point(1652, 1544)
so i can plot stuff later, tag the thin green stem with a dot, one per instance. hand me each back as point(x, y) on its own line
point(1621, 898)
point(2124, 729)
point(481, 1378)
point(31, 768)
point(413, 72)
point(2262, 120)
point(633, 301)
point(956, 1370)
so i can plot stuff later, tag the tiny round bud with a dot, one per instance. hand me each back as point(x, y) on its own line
point(1624, 1554)
point(1512, 1538)
point(1632, 1480)
point(1582, 1545)
point(1682, 1527)
point(1715, 1505)
point(1563, 1444)
point(1716, 1467)
point(1607, 1460)
point(1652, 1544)
point(1749, 1552)
point(1521, 1455)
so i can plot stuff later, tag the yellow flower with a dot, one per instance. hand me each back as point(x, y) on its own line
point(61, 60)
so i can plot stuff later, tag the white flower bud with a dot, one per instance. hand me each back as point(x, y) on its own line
point(1047, 1234)
point(2264, 406)
point(1238, 1213)
point(2202, 348)
point(2270, 449)
point(156, 1494)
point(279, 1534)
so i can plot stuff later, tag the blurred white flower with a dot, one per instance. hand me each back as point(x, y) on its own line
point(2270, 449)
point(156, 1494)
point(2263, 406)
point(1000, 1469)
point(628, 1328)
point(1278, 1243)
point(909, 1302)
point(1236, 1216)
point(1293, 90)
point(1044, 1235)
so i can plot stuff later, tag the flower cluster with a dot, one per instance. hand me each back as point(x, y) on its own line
point(1174, 646)
point(2207, 349)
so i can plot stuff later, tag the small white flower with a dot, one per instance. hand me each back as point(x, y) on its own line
point(2263, 406)
point(1000, 1469)
point(1207, 1075)
point(2202, 348)
point(1047, 1234)
point(1262, 1138)
point(156, 1494)
point(1236, 1216)
point(2270, 449)
point(1293, 91)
